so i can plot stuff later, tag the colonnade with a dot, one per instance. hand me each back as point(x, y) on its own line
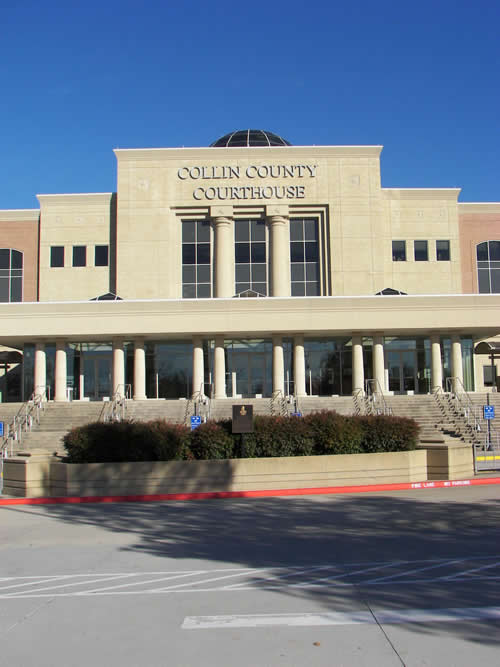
point(219, 370)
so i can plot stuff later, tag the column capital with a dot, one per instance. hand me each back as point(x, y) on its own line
point(281, 211)
point(221, 212)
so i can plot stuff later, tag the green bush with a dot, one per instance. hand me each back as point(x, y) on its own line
point(334, 433)
point(211, 441)
point(320, 433)
point(111, 442)
point(385, 433)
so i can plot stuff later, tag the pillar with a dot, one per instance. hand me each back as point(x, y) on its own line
point(118, 368)
point(378, 364)
point(280, 255)
point(299, 366)
point(198, 368)
point(219, 368)
point(278, 365)
point(60, 371)
point(224, 249)
point(40, 379)
point(358, 372)
point(456, 363)
point(139, 371)
point(436, 364)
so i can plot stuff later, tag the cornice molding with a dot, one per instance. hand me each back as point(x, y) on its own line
point(20, 215)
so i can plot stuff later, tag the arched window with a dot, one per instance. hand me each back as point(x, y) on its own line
point(11, 275)
point(488, 267)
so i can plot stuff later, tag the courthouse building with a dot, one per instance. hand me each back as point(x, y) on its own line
point(243, 268)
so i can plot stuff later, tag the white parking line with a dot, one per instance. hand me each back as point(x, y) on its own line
point(382, 617)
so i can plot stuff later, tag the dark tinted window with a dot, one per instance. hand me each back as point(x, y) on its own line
point(101, 255)
point(443, 251)
point(79, 255)
point(57, 256)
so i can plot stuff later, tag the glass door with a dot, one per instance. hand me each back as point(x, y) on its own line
point(97, 376)
point(402, 368)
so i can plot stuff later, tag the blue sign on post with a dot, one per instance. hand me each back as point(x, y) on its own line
point(195, 421)
point(1, 429)
point(488, 412)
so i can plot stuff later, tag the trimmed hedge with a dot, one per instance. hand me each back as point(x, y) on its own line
point(319, 433)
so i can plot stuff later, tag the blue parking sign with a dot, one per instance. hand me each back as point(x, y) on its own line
point(195, 421)
point(1, 429)
point(488, 412)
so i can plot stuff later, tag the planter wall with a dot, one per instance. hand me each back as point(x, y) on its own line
point(32, 477)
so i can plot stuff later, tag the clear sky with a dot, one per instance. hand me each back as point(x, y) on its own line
point(79, 78)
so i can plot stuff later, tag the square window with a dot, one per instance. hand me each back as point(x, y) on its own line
point(203, 231)
point(258, 253)
point(296, 230)
point(312, 289)
point(258, 230)
point(296, 251)
point(203, 253)
point(188, 253)
point(79, 255)
point(443, 251)
point(243, 273)
point(312, 272)
point(297, 272)
point(311, 248)
point(4, 258)
point(188, 231)
point(399, 251)
point(204, 292)
point(242, 253)
point(101, 255)
point(188, 274)
point(241, 230)
point(56, 256)
point(259, 273)
point(298, 289)
point(421, 252)
point(261, 288)
point(203, 271)
point(189, 291)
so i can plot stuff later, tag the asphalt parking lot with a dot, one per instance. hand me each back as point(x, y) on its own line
point(402, 578)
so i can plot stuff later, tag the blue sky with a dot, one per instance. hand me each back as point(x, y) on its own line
point(78, 79)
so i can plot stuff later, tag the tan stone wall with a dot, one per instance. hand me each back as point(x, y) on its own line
point(19, 230)
point(93, 479)
point(74, 220)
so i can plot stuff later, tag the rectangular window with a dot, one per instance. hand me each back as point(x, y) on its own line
point(250, 256)
point(489, 376)
point(56, 256)
point(101, 257)
point(196, 260)
point(304, 257)
point(399, 251)
point(79, 255)
point(443, 251)
point(420, 250)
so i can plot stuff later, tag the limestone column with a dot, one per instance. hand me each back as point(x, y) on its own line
point(436, 364)
point(60, 371)
point(378, 364)
point(299, 366)
point(198, 368)
point(280, 255)
point(219, 368)
point(358, 372)
point(278, 365)
point(456, 363)
point(224, 260)
point(118, 368)
point(139, 371)
point(40, 375)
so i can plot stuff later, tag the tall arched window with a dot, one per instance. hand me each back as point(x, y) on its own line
point(11, 275)
point(488, 267)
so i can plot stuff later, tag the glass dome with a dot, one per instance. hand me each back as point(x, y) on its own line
point(244, 138)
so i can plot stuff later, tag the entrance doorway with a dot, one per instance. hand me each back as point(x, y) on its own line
point(402, 368)
point(97, 376)
point(249, 368)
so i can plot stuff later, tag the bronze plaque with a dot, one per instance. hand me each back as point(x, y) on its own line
point(242, 419)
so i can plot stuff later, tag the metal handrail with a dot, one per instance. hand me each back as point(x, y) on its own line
point(26, 416)
point(198, 403)
point(116, 409)
point(278, 405)
point(463, 402)
point(374, 395)
point(358, 394)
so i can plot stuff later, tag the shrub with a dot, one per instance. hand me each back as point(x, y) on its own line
point(334, 433)
point(388, 434)
point(211, 441)
point(173, 440)
point(278, 436)
point(111, 442)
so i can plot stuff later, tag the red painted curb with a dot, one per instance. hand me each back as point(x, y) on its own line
point(264, 493)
